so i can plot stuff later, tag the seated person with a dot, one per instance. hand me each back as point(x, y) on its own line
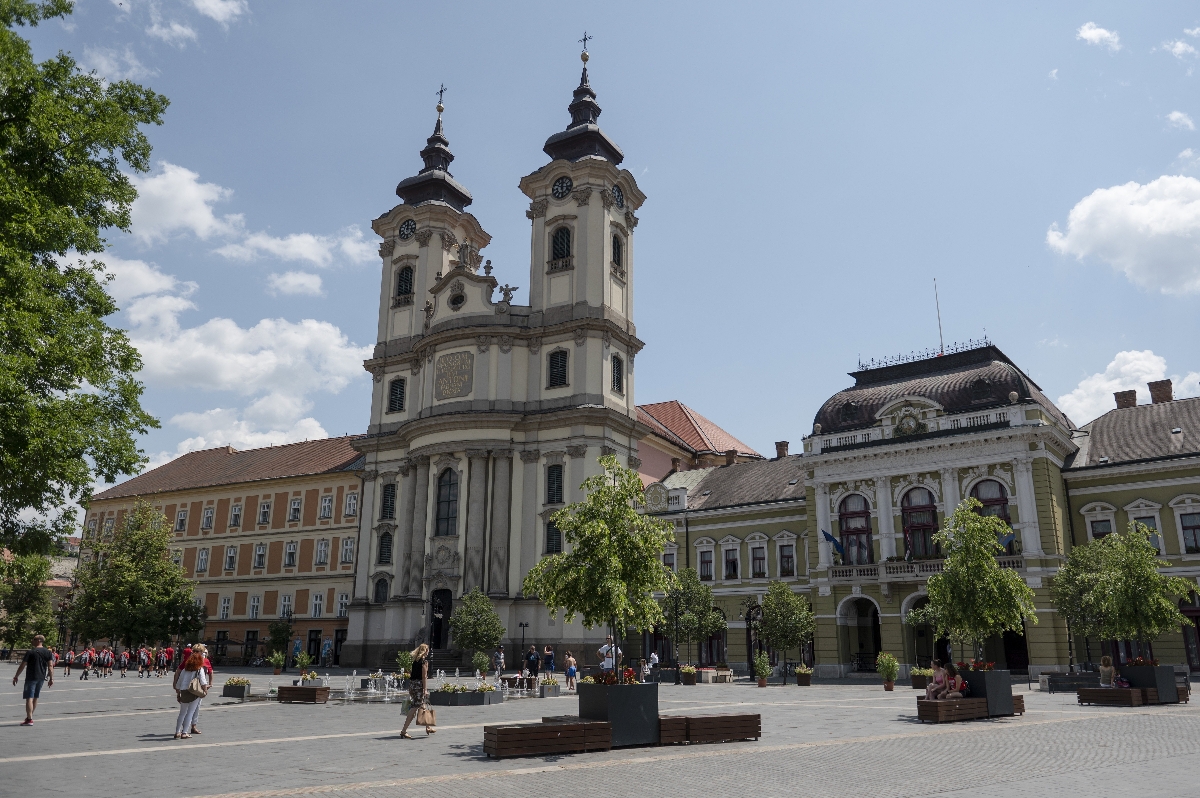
point(1107, 672)
point(954, 683)
point(937, 684)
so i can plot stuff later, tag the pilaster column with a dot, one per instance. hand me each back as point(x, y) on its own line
point(883, 506)
point(404, 523)
point(950, 496)
point(416, 567)
point(477, 460)
point(824, 557)
point(362, 571)
point(501, 512)
point(529, 512)
point(1031, 531)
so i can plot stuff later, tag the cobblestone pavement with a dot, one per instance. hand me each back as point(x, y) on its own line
point(826, 740)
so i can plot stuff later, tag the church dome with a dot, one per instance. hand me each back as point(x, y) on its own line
point(434, 183)
point(583, 137)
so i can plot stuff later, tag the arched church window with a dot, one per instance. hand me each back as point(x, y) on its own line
point(618, 252)
point(385, 548)
point(560, 246)
point(404, 281)
point(919, 516)
point(447, 503)
point(554, 484)
point(556, 369)
point(994, 498)
point(381, 590)
point(618, 374)
point(854, 524)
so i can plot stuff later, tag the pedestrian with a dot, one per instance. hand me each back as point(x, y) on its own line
point(123, 661)
point(85, 662)
point(143, 662)
point(68, 661)
point(606, 654)
point(498, 661)
point(532, 661)
point(191, 685)
point(38, 669)
point(653, 659)
point(571, 671)
point(418, 692)
point(645, 671)
point(208, 671)
point(548, 660)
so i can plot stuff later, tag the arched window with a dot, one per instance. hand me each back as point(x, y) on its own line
point(396, 395)
point(618, 257)
point(554, 484)
point(994, 498)
point(381, 590)
point(560, 244)
point(447, 503)
point(618, 374)
point(385, 548)
point(556, 369)
point(854, 523)
point(404, 281)
point(919, 516)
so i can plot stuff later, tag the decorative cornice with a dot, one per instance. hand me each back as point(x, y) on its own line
point(406, 466)
point(606, 197)
point(502, 454)
point(631, 221)
point(483, 342)
point(606, 338)
point(506, 343)
point(537, 209)
point(423, 237)
point(477, 454)
point(634, 462)
point(607, 451)
point(409, 258)
point(578, 451)
point(619, 228)
point(530, 455)
point(422, 460)
point(554, 458)
point(446, 461)
point(369, 475)
point(562, 217)
point(581, 196)
point(386, 248)
point(535, 345)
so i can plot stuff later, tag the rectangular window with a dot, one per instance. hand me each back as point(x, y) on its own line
point(758, 561)
point(351, 504)
point(396, 396)
point(206, 519)
point(202, 560)
point(343, 605)
point(348, 550)
point(230, 558)
point(109, 523)
point(225, 602)
point(669, 560)
point(618, 374)
point(322, 552)
point(264, 512)
point(255, 606)
point(706, 566)
point(177, 556)
point(557, 369)
point(1149, 521)
point(787, 560)
point(318, 604)
point(289, 554)
point(91, 528)
point(553, 539)
point(1101, 528)
point(554, 484)
point(285, 605)
point(326, 507)
point(235, 516)
point(180, 521)
point(294, 511)
point(731, 564)
point(387, 502)
point(1190, 524)
point(260, 555)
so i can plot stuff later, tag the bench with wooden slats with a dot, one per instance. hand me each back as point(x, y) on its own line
point(723, 728)
point(948, 710)
point(1117, 696)
point(672, 729)
point(303, 695)
point(552, 736)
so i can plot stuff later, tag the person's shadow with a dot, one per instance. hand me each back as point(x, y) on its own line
point(156, 736)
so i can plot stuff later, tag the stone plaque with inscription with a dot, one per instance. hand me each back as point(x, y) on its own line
point(452, 375)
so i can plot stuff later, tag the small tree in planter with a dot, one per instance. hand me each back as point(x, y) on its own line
point(888, 669)
point(688, 611)
point(608, 572)
point(279, 637)
point(762, 668)
point(803, 675)
point(787, 620)
point(276, 658)
point(476, 626)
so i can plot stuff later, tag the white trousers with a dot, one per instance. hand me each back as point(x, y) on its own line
point(187, 716)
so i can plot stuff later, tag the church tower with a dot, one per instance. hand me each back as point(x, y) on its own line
point(487, 415)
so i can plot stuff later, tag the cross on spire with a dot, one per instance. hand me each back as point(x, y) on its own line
point(585, 40)
point(440, 92)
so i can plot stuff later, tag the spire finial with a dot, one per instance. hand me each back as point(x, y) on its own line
point(584, 56)
point(440, 106)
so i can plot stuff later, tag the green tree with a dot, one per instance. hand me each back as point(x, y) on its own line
point(688, 612)
point(1137, 601)
point(279, 635)
point(1076, 594)
point(25, 606)
point(787, 621)
point(475, 624)
point(612, 564)
point(973, 598)
point(129, 587)
point(69, 404)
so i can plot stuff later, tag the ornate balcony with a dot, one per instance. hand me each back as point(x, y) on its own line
point(918, 570)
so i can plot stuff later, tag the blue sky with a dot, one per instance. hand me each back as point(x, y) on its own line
point(811, 168)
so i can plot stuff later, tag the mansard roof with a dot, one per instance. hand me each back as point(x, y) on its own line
point(974, 379)
point(1140, 433)
point(227, 466)
point(756, 482)
point(693, 430)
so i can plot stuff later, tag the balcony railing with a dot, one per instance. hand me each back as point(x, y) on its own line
point(904, 571)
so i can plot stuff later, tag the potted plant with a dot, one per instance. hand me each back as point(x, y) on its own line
point(459, 695)
point(803, 675)
point(276, 659)
point(236, 687)
point(920, 677)
point(404, 661)
point(609, 572)
point(687, 674)
point(302, 661)
point(310, 679)
point(888, 669)
point(548, 687)
point(762, 668)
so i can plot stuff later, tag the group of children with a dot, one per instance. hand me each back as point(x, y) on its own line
point(149, 661)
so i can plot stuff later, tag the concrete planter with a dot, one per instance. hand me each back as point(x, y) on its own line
point(1157, 677)
point(312, 683)
point(440, 698)
point(631, 709)
point(549, 690)
point(238, 691)
point(995, 686)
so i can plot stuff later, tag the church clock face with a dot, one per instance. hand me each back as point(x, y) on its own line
point(562, 187)
point(407, 229)
point(618, 196)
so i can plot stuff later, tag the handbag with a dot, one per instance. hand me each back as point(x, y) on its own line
point(195, 689)
point(426, 717)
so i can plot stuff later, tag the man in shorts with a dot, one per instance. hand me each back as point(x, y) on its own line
point(37, 667)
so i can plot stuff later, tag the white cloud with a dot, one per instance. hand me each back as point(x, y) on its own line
point(112, 65)
point(136, 278)
point(295, 283)
point(1192, 31)
point(1053, 74)
point(1150, 232)
point(174, 33)
point(1188, 159)
point(306, 247)
point(1091, 33)
point(174, 200)
point(1180, 49)
point(1129, 370)
point(1180, 120)
point(223, 11)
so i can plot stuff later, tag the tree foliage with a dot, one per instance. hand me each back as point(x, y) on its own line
point(1076, 590)
point(475, 624)
point(1136, 601)
point(612, 564)
point(787, 621)
point(69, 404)
point(130, 589)
point(973, 598)
point(25, 606)
point(279, 635)
point(688, 610)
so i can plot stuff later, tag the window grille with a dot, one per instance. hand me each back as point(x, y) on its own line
point(560, 247)
point(618, 374)
point(554, 484)
point(447, 503)
point(404, 281)
point(385, 548)
point(557, 369)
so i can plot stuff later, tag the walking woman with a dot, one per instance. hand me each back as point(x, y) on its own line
point(188, 695)
point(418, 691)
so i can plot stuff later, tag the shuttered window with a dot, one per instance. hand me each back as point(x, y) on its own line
point(396, 395)
point(557, 369)
point(554, 484)
point(561, 245)
point(387, 502)
point(404, 281)
point(553, 539)
point(385, 548)
point(618, 374)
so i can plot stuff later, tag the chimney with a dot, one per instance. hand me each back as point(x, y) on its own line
point(730, 456)
point(1160, 391)
point(1125, 399)
point(676, 464)
point(781, 448)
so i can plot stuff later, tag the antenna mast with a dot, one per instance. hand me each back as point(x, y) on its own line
point(938, 305)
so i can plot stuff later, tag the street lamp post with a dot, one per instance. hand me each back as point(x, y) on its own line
point(675, 639)
point(523, 626)
point(752, 616)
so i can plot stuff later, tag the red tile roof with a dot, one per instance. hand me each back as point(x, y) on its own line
point(227, 466)
point(694, 430)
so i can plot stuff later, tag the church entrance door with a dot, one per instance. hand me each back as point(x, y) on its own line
point(439, 628)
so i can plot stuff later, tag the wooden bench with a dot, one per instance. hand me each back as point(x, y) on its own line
point(723, 728)
point(303, 695)
point(948, 710)
point(552, 736)
point(1117, 696)
point(672, 729)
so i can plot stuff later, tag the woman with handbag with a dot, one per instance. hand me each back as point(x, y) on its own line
point(191, 684)
point(418, 691)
